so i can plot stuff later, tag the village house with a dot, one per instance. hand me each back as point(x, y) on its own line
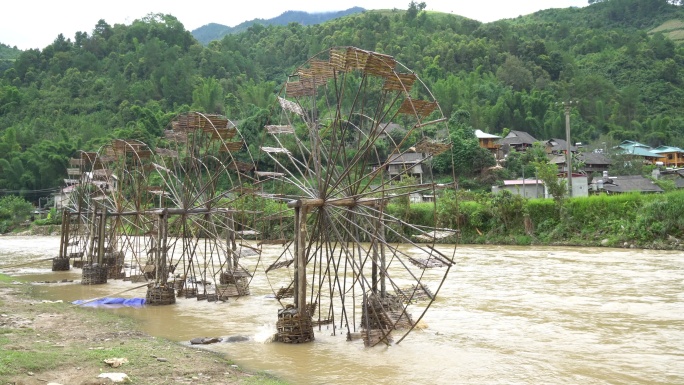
point(519, 140)
point(535, 188)
point(488, 141)
point(386, 129)
point(557, 146)
point(585, 162)
point(102, 179)
point(641, 151)
point(624, 184)
point(671, 156)
point(527, 188)
point(593, 162)
point(408, 164)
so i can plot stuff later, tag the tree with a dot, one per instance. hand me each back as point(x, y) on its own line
point(468, 157)
point(514, 73)
point(208, 96)
point(13, 211)
point(413, 10)
point(548, 173)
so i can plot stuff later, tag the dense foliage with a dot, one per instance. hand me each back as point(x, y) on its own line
point(649, 221)
point(13, 212)
point(127, 81)
point(7, 56)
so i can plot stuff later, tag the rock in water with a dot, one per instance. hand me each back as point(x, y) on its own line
point(236, 339)
point(204, 340)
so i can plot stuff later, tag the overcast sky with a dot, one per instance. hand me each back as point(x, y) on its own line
point(36, 24)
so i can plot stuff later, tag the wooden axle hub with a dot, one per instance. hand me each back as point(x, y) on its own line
point(339, 202)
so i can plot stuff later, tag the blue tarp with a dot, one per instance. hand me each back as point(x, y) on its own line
point(111, 302)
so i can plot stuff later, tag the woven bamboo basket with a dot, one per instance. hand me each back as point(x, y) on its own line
point(160, 295)
point(293, 329)
point(385, 313)
point(60, 264)
point(94, 274)
point(376, 336)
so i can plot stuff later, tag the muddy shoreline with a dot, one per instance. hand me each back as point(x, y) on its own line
point(56, 342)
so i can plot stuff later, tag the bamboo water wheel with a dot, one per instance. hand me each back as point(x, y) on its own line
point(85, 218)
point(126, 170)
point(203, 167)
point(175, 217)
point(351, 181)
point(75, 221)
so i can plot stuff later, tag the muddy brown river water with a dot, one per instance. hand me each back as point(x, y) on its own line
point(506, 315)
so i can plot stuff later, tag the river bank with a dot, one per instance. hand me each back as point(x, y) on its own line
point(471, 236)
point(55, 342)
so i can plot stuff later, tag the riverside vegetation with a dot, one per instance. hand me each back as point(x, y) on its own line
point(632, 220)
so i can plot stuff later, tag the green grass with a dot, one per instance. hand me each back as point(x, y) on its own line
point(17, 359)
point(263, 378)
point(6, 278)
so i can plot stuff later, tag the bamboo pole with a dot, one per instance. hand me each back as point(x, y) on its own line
point(101, 236)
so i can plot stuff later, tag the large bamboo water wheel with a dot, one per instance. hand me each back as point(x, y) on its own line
point(126, 169)
point(353, 136)
point(175, 217)
point(204, 229)
point(85, 207)
point(103, 193)
point(75, 227)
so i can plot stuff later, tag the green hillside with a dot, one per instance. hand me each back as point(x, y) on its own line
point(7, 56)
point(618, 58)
point(671, 29)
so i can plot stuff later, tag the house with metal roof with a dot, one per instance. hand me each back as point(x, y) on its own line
point(535, 188)
point(640, 150)
point(488, 141)
point(527, 188)
point(672, 156)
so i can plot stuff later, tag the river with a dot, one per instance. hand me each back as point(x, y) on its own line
point(505, 315)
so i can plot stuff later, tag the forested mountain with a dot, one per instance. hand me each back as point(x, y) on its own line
point(7, 56)
point(214, 31)
point(613, 56)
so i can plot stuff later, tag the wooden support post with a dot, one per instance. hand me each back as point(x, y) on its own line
point(66, 221)
point(92, 236)
point(101, 236)
point(300, 261)
point(296, 255)
point(232, 261)
point(161, 270)
point(64, 240)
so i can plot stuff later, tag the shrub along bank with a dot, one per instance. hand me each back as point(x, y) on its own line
point(638, 220)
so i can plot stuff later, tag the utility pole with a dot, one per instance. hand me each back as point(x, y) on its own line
point(568, 152)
